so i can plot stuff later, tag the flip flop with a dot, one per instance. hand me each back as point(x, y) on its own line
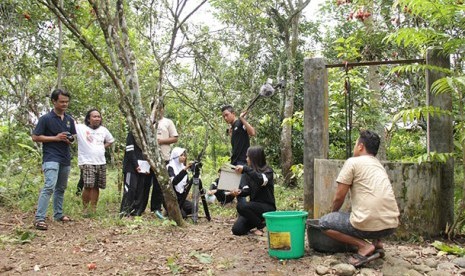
point(381, 252)
point(361, 260)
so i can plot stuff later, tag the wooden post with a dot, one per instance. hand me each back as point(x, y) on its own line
point(316, 133)
point(440, 134)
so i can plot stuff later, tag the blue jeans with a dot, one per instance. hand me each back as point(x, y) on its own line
point(56, 180)
point(340, 221)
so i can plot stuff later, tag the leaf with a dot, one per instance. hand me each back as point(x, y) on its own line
point(452, 249)
point(204, 258)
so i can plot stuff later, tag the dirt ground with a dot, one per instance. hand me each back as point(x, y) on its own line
point(141, 247)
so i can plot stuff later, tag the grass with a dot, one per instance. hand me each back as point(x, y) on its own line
point(20, 192)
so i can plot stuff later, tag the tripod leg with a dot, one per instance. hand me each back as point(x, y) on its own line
point(195, 201)
point(204, 202)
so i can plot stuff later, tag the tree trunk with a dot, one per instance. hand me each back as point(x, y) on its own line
point(122, 69)
point(286, 137)
point(286, 132)
point(373, 84)
point(60, 50)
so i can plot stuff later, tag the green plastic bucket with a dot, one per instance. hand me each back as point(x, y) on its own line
point(286, 233)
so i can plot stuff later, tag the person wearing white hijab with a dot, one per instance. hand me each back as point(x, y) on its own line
point(177, 171)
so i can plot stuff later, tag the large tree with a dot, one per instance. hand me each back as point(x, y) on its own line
point(119, 61)
point(267, 37)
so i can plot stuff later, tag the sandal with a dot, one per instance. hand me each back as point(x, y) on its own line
point(358, 260)
point(381, 252)
point(64, 219)
point(40, 225)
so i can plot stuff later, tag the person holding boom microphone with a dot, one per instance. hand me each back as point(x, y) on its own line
point(240, 131)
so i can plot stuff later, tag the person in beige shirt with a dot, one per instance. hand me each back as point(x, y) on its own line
point(166, 135)
point(374, 214)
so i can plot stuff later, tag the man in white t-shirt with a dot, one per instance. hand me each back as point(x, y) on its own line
point(92, 138)
point(374, 214)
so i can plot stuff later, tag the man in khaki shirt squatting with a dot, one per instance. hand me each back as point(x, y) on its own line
point(374, 212)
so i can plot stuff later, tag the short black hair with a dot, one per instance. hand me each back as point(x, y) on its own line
point(228, 108)
point(370, 140)
point(57, 92)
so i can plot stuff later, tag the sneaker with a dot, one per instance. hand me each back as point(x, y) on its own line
point(159, 214)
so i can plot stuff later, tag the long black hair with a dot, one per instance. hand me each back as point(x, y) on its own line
point(256, 155)
point(87, 118)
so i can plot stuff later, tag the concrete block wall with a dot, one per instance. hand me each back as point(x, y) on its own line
point(416, 188)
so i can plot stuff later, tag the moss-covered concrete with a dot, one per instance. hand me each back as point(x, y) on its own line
point(417, 190)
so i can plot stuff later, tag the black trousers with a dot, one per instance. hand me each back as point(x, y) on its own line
point(143, 191)
point(80, 184)
point(250, 216)
point(157, 199)
point(223, 198)
point(128, 202)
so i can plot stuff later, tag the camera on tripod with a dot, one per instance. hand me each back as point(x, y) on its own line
point(196, 166)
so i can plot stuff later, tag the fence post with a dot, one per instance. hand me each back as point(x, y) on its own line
point(440, 134)
point(316, 132)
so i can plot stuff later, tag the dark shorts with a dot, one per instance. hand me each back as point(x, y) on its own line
point(340, 221)
point(94, 176)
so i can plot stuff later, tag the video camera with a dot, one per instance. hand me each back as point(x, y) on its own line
point(196, 166)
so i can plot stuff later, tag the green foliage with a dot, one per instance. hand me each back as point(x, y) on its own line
point(20, 236)
point(432, 157)
point(203, 258)
point(297, 170)
point(446, 248)
point(423, 37)
point(348, 49)
point(448, 85)
point(411, 115)
point(24, 236)
point(406, 145)
point(419, 68)
point(289, 198)
point(173, 266)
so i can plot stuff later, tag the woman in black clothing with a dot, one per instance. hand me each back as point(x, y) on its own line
point(256, 182)
point(177, 171)
point(135, 181)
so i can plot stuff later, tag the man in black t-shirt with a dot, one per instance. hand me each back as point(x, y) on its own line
point(240, 131)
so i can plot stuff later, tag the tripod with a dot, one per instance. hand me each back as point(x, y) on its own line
point(197, 192)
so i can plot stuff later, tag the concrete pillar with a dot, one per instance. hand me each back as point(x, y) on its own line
point(316, 133)
point(440, 134)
